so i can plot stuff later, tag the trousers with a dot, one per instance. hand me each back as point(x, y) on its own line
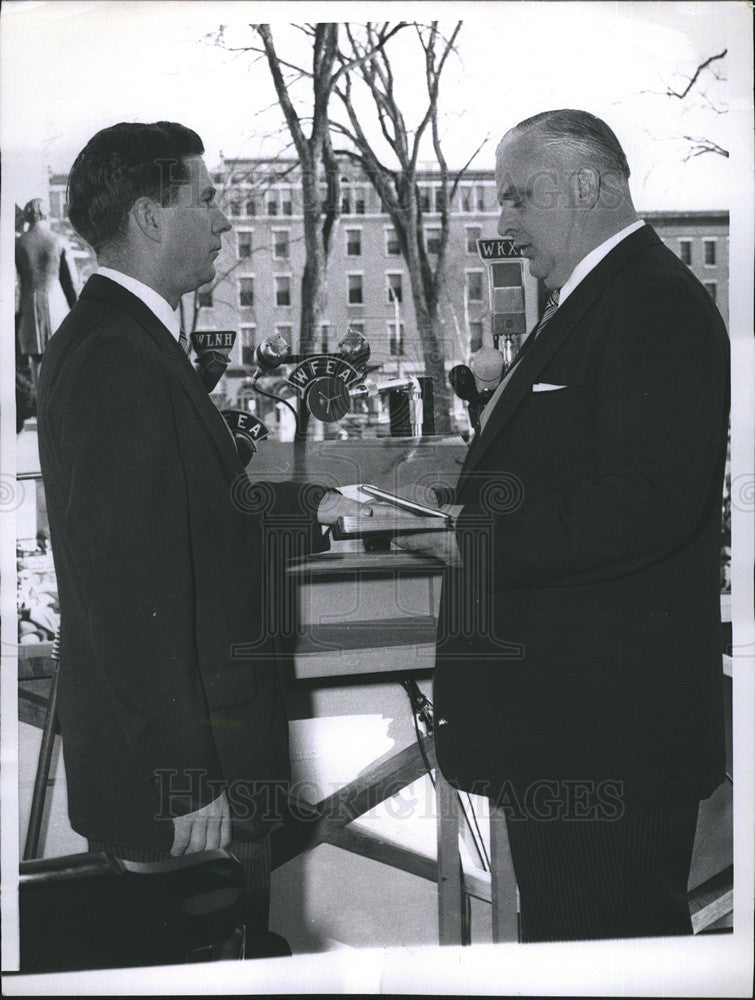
point(597, 878)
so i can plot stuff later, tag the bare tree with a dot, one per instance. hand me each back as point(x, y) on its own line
point(694, 89)
point(311, 139)
point(398, 186)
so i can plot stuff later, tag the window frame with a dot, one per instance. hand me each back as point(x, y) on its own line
point(240, 280)
point(480, 273)
point(349, 276)
point(391, 301)
point(710, 241)
point(289, 278)
point(274, 230)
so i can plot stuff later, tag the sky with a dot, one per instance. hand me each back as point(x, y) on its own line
point(70, 68)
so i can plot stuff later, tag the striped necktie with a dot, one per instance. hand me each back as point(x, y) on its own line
point(183, 340)
point(550, 307)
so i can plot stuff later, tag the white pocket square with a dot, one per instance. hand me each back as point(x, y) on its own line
point(546, 387)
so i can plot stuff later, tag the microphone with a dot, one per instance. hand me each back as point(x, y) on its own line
point(507, 294)
point(354, 349)
point(213, 351)
point(463, 383)
point(271, 353)
point(487, 368)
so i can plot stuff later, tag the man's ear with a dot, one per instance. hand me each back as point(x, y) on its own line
point(585, 187)
point(147, 216)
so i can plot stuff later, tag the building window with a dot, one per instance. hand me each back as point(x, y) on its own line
point(709, 252)
point(432, 240)
point(712, 289)
point(354, 242)
point(474, 286)
point(324, 337)
point(475, 337)
point(394, 290)
point(284, 330)
point(246, 291)
point(355, 290)
point(204, 297)
point(345, 200)
point(440, 199)
point(424, 199)
point(356, 326)
point(480, 198)
point(287, 207)
point(465, 196)
point(244, 238)
point(283, 290)
point(247, 337)
point(396, 342)
point(280, 244)
point(272, 203)
point(235, 208)
point(473, 235)
point(251, 207)
point(359, 201)
point(685, 251)
point(392, 246)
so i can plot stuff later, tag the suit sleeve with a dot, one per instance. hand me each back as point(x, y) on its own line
point(661, 399)
point(127, 521)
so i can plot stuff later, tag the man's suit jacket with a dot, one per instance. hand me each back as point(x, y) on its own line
point(161, 546)
point(581, 639)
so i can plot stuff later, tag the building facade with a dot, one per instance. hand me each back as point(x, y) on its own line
point(257, 289)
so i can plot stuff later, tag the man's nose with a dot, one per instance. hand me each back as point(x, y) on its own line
point(506, 223)
point(222, 222)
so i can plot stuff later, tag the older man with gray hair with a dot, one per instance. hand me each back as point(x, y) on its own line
point(585, 697)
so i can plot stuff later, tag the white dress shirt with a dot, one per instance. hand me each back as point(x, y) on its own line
point(593, 258)
point(168, 316)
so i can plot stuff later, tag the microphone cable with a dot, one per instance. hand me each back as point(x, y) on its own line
point(422, 714)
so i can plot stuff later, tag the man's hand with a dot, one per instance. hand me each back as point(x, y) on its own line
point(206, 829)
point(441, 544)
point(334, 505)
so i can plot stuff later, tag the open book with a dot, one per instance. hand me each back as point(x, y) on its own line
point(390, 515)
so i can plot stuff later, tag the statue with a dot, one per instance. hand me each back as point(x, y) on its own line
point(48, 286)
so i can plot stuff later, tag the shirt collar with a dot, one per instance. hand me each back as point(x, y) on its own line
point(593, 258)
point(168, 316)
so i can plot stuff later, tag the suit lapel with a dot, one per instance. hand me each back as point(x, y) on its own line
point(103, 290)
point(550, 341)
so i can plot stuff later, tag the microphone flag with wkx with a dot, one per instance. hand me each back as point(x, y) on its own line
point(513, 294)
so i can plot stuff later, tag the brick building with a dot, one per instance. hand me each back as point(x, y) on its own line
point(258, 286)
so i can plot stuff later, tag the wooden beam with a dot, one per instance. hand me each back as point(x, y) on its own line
point(503, 880)
point(308, 825)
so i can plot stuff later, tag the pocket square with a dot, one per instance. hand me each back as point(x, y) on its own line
point(546, 387)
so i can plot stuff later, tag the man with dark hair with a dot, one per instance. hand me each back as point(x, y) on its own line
point(586, 696)
point(173, 728)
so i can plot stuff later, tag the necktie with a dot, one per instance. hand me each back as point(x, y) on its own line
point(183, 340)
point(550, 307)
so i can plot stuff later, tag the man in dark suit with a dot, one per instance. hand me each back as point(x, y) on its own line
point(173, 727)
point(579, 678)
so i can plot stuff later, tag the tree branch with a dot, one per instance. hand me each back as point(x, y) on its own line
point(693, 79)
